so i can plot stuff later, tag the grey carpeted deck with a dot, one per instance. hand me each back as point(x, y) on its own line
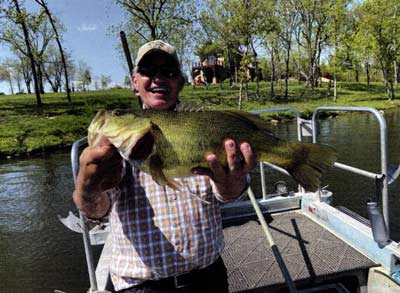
point(309, 251)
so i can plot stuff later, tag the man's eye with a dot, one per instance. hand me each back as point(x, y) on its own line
point(169, 72)
point(151, 71)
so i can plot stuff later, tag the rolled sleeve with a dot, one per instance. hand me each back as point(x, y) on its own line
point(240, 197)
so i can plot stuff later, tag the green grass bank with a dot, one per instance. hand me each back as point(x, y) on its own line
point(26, 129)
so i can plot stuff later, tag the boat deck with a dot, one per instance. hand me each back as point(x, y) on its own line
point(310, 252)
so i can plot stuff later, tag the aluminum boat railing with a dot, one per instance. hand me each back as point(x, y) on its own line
point(307, 128)
point(383, 146)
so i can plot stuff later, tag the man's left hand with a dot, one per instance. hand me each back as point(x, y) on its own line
point(231, 181)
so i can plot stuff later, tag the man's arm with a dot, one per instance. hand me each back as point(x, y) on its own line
point(231, 182)
point(100, 170)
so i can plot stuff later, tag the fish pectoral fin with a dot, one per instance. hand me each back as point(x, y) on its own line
point(309, 162)
point(159, 176)
point(173, 184)
point(161, 179)
point(191, 193)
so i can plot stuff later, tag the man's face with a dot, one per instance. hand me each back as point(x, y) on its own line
point(158, 81)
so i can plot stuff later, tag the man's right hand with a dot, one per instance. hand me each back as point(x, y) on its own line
point(100, 169)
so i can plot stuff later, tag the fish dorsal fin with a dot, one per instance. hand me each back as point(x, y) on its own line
point(189, 106)
point(249, 118)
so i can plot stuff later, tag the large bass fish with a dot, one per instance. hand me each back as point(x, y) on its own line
point(168, 144)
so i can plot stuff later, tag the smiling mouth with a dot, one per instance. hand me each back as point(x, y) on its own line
point(159, 90)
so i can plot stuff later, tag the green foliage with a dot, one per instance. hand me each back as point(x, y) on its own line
point(379, 25)
point(244, 64)
point(209, 48)
point(24, 128)
point(158, 19)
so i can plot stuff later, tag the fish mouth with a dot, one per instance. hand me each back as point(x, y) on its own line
point(142, 148)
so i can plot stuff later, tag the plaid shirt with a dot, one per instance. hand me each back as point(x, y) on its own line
point(159, 232)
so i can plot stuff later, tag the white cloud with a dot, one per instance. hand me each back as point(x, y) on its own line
point(84, 27)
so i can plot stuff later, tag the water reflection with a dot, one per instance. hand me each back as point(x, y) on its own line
point(35, 249)
point(38, 254)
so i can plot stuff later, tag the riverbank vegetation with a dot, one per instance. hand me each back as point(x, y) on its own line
point(236, 40)
point(27, 129)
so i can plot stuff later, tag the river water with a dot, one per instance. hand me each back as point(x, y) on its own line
point(38, 254)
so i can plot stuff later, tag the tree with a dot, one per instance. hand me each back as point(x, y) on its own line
point(54, 24)
point(149, 20)
point(105, 80)
point(15, 72)
point(127, 81)
point(272, 45)
point(288, 22)
point(53, 68)
point(313, 25)
point(208, 49)
point(237, 25)
point(340, 29)
point(378, 20)
point(84, 75)
point(18, 18)
point(42, 36)
point(216, 27)
point(6, 75)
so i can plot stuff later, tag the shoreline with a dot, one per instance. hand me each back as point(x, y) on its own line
point(45, 151)
point(48, 150)
point(27, 131)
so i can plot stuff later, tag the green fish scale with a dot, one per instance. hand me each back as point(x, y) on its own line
point(186, 138)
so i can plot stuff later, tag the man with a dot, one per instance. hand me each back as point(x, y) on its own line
point(163, 240)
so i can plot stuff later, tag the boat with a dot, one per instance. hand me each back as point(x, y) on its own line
point(289, 241)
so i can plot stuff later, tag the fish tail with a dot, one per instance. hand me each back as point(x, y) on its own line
point(305, 162)
point(309, 162)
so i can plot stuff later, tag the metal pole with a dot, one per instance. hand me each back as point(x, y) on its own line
point(82, 218)
point(88, 253)
point(263, 187)
point(275, 250)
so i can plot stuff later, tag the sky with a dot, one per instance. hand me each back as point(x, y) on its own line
point(87, 37)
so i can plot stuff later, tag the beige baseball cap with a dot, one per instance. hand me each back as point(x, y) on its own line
point(156, 45)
